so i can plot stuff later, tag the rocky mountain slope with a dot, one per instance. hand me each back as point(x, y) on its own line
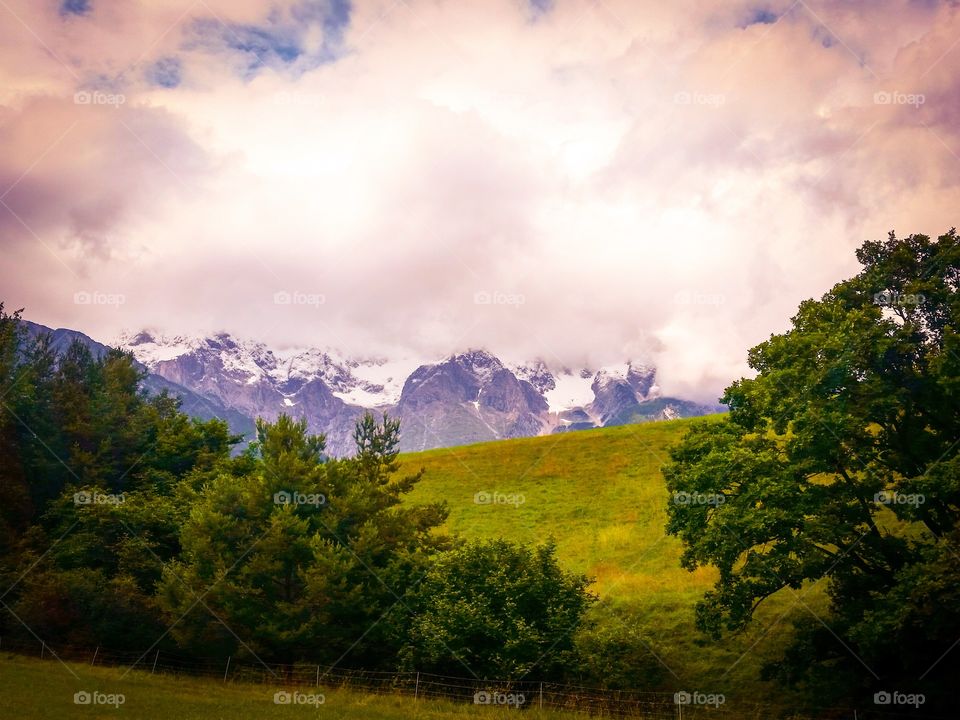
point(464, 398)
point(467, 397)
point(192, 403)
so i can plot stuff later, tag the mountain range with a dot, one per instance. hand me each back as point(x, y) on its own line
point(466, 397)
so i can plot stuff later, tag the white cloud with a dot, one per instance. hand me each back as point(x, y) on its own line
point(651, 179)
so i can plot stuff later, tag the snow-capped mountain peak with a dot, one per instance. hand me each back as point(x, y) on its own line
point(469, 396)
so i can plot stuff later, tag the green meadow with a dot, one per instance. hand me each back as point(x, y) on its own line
point(45, 689)
point(599, 494)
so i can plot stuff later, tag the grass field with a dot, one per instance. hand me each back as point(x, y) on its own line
point(601, 496)
point(45, 689)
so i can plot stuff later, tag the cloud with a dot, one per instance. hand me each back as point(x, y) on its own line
point(646, 180)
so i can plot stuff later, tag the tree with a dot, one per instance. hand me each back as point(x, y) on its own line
point(295, 556)
point(76, 426)
point(839, 461)
point(497, 610)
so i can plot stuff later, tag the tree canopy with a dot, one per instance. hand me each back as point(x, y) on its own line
point(839, 462)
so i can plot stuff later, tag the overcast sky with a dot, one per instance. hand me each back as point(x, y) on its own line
point(581, 181)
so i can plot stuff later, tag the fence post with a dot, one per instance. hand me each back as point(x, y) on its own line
point(43, 646)
point(95, 653)
point(155, 658)
point(416, 689)
point(541, 696)
point(227, 668)
point(318, 676)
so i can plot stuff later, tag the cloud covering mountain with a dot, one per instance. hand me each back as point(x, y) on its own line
point(663, 181)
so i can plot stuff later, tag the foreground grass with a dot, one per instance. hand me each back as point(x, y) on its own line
point(45, 689)
point(601, 496)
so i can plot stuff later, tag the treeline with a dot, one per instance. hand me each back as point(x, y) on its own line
point(125, 523)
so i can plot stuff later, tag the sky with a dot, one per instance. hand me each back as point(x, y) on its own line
point(583, 181)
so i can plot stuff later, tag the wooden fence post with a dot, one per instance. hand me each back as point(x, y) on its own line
point(155, 658)
point(318, 676)
point(416, 689)
point(43, 646)
point(95, 653)
point(227, 668)
point(541, 696)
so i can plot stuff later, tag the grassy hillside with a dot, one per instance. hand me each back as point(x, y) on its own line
point(601, 496)
point(45, 689)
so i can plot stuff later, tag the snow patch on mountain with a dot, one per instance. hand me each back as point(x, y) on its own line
point(150, 349)
point(571, 389)
point(380, 381)
point(481, 363)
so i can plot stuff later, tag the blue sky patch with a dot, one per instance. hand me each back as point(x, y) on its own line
point(75, 7)
point(165, 72)
point(760, 16)
point(279, 40)
point(541, 7)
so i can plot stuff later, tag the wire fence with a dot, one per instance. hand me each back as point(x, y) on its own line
point(511, 694)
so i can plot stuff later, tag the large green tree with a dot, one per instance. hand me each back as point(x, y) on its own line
point(838, 462)
point(289, 555)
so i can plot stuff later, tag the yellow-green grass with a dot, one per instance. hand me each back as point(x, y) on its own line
point(45, 689)
point(601, 496)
